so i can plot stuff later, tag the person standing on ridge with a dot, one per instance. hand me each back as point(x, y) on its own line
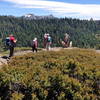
point(48, 44)
point(45, 40)
point(66, 41)
point(35, 45)
point(12, 44)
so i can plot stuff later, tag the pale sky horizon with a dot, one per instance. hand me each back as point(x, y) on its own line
point(81, 9)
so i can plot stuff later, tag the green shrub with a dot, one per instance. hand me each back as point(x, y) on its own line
point(61, 75)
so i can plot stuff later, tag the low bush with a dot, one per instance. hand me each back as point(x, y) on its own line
point(61, 75)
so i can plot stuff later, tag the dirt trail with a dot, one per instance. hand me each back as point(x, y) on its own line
point(98, 51)
point(4, 60)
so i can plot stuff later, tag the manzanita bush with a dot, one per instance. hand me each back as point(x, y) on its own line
point(61, 75)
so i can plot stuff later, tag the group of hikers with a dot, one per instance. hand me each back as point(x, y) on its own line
point(47, 41)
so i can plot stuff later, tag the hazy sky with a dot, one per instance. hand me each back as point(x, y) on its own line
point(83, 9)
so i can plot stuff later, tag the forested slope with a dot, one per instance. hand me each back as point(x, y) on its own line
point(83, 33)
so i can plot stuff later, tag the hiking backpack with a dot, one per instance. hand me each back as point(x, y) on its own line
point(7, 41)
point(49, 39)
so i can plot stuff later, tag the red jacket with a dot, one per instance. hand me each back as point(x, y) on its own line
point(12, 38)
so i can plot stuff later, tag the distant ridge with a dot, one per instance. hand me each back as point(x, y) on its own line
point(32, 16)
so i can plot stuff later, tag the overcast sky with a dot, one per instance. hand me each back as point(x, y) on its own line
point(82, 9)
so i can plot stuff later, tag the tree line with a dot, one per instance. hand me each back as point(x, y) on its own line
point(83, 33)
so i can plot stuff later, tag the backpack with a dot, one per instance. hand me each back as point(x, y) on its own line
point(7, 41)
point(49, 39)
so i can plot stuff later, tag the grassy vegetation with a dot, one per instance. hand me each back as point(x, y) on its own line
point(61, 75)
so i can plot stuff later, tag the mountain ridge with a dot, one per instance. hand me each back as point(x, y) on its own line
point(33, 16)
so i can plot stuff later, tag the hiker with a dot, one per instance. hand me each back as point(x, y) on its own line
point(45, 40)
point(48, 44)
point(12, 44)
point(34, 45)
point(66, 41)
